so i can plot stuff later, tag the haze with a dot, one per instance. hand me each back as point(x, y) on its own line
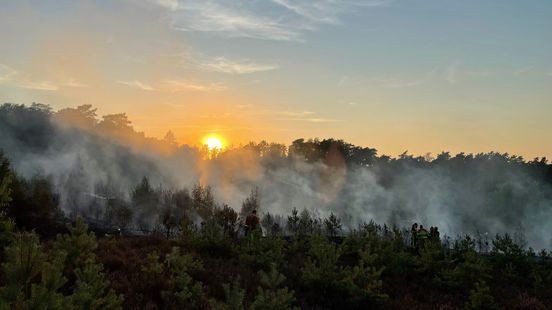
point(422, 76)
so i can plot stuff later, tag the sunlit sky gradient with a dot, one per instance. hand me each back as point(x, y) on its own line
point(423, 76)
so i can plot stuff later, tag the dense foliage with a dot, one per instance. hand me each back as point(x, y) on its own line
point(213, 265)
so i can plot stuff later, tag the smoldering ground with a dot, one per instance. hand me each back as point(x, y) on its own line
point(89, 158)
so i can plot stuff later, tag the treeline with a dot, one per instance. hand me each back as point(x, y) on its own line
point(198, 259)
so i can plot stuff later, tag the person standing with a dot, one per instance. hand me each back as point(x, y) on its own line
point(251, 222)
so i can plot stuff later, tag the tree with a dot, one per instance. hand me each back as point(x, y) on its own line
point(76, 186)
point(203, 201)
point(183, 290)
point(91, 287)
point(269, 295)
point(322, 273)
point(83, 117)
point(170, 139)
point(6, 179)
point(34, 204)
point(25, 263)
point(481, 298)
point(252, 202)
point(233, 295)
point(271, 224)
point(144, 202)
point(118, 213)
point(306, 223)
point(293, 222)
point(364, 280)
point(227, 218)
point(332, 225)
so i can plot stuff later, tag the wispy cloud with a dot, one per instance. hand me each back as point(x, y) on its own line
point(74, 83)
point(294, 113)
point(398, 82)
point(231, 19)
point(326, 11)
point(137, 84)
point(524, 70)
point(313, 120)
point(451, 72)
point(225, 65)
point(281, 20)
point(299, 116)
point(456, 72)
point(12, 77)
point(168, 4)
point(174, 86)
point(178, 86)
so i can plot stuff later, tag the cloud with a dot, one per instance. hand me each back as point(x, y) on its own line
point(225, 18)
point(313, 120)
point(292, 113)
point(137, 84)
point(326, 11)
point(457, 71)
point(279, 20)
point(73, 83)
point(178, 86)
point(451, 72)
point(167, 4)
point(174, 86)
point(12, 77)
point(224, 65)
point(524, 70)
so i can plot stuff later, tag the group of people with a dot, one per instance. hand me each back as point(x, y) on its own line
point(419, 235)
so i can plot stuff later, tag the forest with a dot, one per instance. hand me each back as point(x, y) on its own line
point(95, 215)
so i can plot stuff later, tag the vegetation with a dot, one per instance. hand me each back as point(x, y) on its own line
point(149, 247)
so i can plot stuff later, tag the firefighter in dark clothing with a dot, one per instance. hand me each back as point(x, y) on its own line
point(251, 222)
point(414, 235)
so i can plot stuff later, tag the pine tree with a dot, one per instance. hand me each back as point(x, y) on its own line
point(481, 298)
point(6, 179)
point(184, 290)
point(233, 294)
point(79, 244)
point(269, 295)
point(46, 295)
point(321, 268)
point(332, 225)
point(364, 280)
point(252, 202)
point(25, 263)
point(91, 287)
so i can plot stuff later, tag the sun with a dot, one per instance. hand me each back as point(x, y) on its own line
point(213, 143)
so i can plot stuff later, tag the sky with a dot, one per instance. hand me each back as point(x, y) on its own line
point(422, 76)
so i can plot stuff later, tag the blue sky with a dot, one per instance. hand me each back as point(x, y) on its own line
point(423, 76)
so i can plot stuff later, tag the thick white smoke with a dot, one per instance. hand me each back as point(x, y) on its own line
point(484, 197)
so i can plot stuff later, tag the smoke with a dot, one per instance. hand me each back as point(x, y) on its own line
point(94, 160)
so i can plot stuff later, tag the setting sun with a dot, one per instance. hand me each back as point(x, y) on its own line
point(213, 143)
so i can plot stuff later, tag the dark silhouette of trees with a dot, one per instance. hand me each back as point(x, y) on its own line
point(34, 204)
point(145, 203)
point(252, 202)
point(82, 117)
